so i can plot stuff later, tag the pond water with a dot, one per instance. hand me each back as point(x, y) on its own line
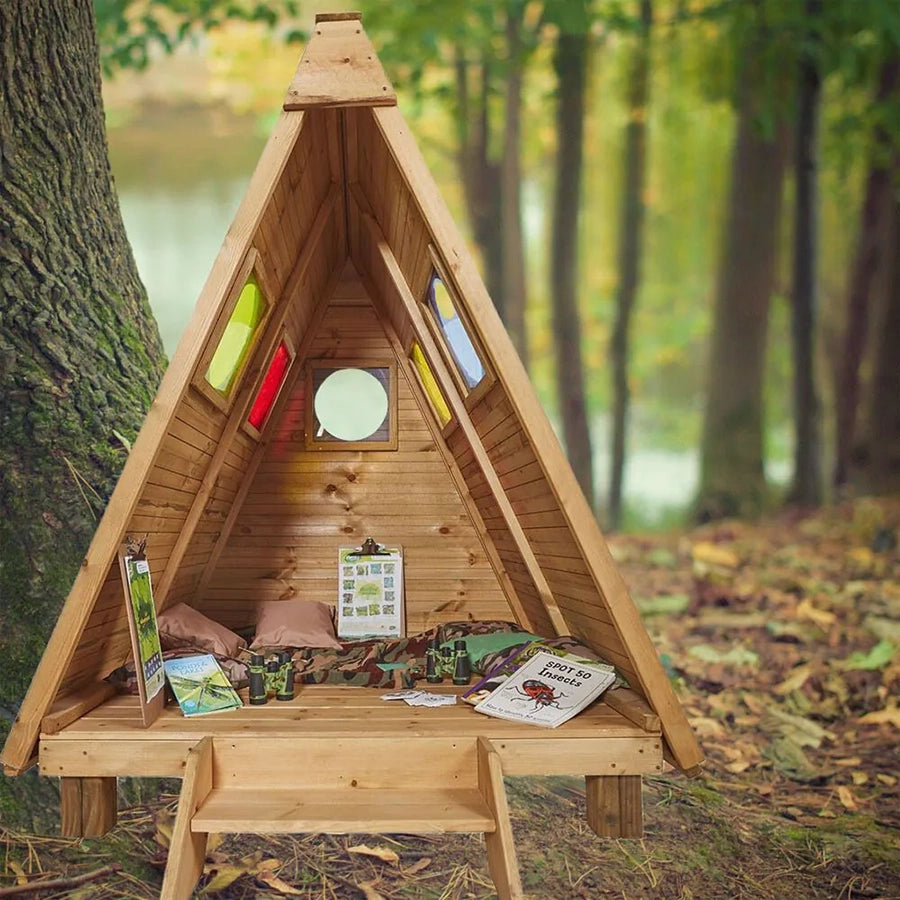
point(181, 174)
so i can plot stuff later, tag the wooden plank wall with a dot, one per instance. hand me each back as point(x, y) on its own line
point(189, 445)
point(534, 501)
point(305, 504)
point(545, 526)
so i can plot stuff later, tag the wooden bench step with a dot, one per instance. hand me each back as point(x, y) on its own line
point(234, 810)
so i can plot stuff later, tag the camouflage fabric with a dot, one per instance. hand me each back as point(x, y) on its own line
point(452, 631)
point(356, 663)
point(565, 642)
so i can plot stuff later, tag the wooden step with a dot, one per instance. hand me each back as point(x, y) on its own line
point(323, 811)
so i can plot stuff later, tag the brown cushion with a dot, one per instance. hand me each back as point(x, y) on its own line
point(184, 626)
point(294, 623)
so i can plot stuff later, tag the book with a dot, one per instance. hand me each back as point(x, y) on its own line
point(517, 657)
point(200, 685)
point(548, 690)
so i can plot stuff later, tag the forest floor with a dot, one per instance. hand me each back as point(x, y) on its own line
point(783, 641)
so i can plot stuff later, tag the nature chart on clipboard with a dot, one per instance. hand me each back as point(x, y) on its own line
point(370, 591)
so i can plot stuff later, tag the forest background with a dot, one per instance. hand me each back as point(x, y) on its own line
point(697, 208)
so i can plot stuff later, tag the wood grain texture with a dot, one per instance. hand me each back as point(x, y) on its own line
point(582, 538)
point(187, 848)
point(339, 67)
point(501, 847)
point(614, 805)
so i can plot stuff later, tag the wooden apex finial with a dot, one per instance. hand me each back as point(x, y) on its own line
point(339, 17)
point(339, 67)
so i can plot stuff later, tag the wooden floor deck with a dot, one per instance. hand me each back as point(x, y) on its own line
point(328, 722)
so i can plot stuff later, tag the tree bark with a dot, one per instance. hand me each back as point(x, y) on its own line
point(868, 260)
point(806, 489)
point(878, 459)
point(514, 292)
point(80, 354)
point(570, 64)
point(632, 223)
point(480, 175)
point(732, 477)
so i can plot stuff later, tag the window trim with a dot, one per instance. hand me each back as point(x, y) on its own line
point(282, 338)
point(316, 365)
point(250, 266)
point(470, 396)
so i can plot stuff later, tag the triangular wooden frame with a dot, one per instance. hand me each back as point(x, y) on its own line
point(345, 221)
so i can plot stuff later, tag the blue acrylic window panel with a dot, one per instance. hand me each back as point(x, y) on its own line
point(463, 351)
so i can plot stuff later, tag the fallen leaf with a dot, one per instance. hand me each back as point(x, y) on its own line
point(845, 795)
point(165, 822)
point(889, 716)
point(803, 732)
point(663, 604)
point(417, 866)
point(714, 555)
point(822, 618)
point(859, 777)
point(848, 761)
point(383, 853)
point(21, 877)
point(736, 656)
point(369, 892)
point(797, 677)
point(877, 658)
point(889, 780)
point(271, 880)
point(224, 876)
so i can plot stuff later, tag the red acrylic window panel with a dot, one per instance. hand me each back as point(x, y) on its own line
point(270, 386)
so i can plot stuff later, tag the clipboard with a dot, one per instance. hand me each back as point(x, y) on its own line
point(370, 600)
point(141, 615)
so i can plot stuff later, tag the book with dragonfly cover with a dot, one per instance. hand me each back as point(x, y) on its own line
point(200, 685)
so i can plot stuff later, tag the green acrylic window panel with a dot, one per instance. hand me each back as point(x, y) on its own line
point(237, 339)
point(429, 384)
point(443, 309)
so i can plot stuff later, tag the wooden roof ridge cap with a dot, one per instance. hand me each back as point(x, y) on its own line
point(339, 67)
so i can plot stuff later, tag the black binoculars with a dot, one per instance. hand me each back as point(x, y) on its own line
point(444, 661)
point(274, 675)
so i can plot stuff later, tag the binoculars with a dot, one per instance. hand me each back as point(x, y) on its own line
point(274, 675)
point(442, 661)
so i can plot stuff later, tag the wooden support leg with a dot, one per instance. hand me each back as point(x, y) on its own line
point(614, 805)
point(187, 851)
point(88, 806)
point(501, 849)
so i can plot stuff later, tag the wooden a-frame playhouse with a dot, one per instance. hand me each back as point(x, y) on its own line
point(352, 260)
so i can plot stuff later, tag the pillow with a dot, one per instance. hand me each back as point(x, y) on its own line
point(183, 626)
point(480, 645)
point(294, 623)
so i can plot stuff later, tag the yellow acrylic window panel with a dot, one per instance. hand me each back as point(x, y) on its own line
point(443, 309)
point(429, 384)
point(237, 339)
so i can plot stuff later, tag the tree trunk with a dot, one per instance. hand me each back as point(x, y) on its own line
point(867, 262)
point(480, 175)
point(632, 224)
point(570, 63)
point(515, 297)
point(732, 477)
point(80, 355)
point(879, 458)
point(806, 489)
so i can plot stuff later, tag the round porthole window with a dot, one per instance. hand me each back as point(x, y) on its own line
point(350, 405)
